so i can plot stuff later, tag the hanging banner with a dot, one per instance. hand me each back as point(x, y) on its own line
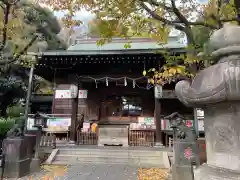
point(200, 113)
point(62, 94)
point(73, 91)
point(158, 91)
point(82, 94)
point(66, 94)
point(200, 125)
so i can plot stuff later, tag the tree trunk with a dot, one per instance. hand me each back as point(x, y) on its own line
point(3, 111)
point(191, 50)
point(237, 5)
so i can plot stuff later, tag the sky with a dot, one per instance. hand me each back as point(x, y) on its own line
point(86, 16)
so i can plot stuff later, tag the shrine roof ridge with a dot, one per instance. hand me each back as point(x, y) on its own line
point(135, 44)
point(105, 52)
point(92, 40)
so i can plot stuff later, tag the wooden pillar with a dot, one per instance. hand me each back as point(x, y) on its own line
point(157, 114)
point(74, 115)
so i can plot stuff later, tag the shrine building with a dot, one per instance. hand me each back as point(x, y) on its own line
point(112, 90)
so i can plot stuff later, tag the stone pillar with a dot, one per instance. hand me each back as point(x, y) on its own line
point(157, 114)
point(217, 91)
point(74, 115)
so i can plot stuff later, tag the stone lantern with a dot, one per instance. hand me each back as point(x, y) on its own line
point(185, 150)
point(216, 90)
point(40, 120)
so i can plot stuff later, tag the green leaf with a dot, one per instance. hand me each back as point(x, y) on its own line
point(127, 46)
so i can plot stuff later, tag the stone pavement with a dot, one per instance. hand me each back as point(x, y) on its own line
point(86, 172)
point(100, 172)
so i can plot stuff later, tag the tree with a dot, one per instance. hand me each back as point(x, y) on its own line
point(21, 24)
point(123, 18)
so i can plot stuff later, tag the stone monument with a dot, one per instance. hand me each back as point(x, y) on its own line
point(216, 90)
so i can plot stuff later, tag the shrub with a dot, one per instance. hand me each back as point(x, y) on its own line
point(5, 125)
point(15, 111)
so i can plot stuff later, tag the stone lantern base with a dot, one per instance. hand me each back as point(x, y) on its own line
point(216, 90)
point(206, 172)
point(17, 161)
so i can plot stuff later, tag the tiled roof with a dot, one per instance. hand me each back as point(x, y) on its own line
point(118, 44)
point(138, 46)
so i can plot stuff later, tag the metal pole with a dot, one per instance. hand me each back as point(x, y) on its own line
point(29, 92)
point(196, 121)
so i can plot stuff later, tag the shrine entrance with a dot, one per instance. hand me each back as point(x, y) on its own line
point(117, 92)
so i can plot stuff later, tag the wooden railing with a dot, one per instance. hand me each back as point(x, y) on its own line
point(87, 138)
point(136, 138)
point(141, 138)
point(48, 141)
point(170, 142)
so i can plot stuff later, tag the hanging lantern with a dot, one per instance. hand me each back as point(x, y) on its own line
point(73, 91)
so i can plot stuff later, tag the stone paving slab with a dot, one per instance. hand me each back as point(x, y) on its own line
point(100, 172)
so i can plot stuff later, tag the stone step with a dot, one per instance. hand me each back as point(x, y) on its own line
point(106, 154)
point(119, 155)
point(102, 160)
point(91, 158)
point(115, 149)
point(111, 152)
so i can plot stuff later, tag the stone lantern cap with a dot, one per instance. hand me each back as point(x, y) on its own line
point(221, 81)
point(225, 41)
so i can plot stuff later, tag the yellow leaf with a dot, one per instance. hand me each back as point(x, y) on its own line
point(172, 71)
point(152, 81)
point(179, 71)
point(165, 74)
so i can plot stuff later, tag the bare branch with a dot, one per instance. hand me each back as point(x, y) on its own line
point(2, 6)
point(179, 14)
point(202, 23)
point(159, 4)
point(30, 43)
point(5, 23)
point(162, 19)
point(16, 57)
point(237, 5)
